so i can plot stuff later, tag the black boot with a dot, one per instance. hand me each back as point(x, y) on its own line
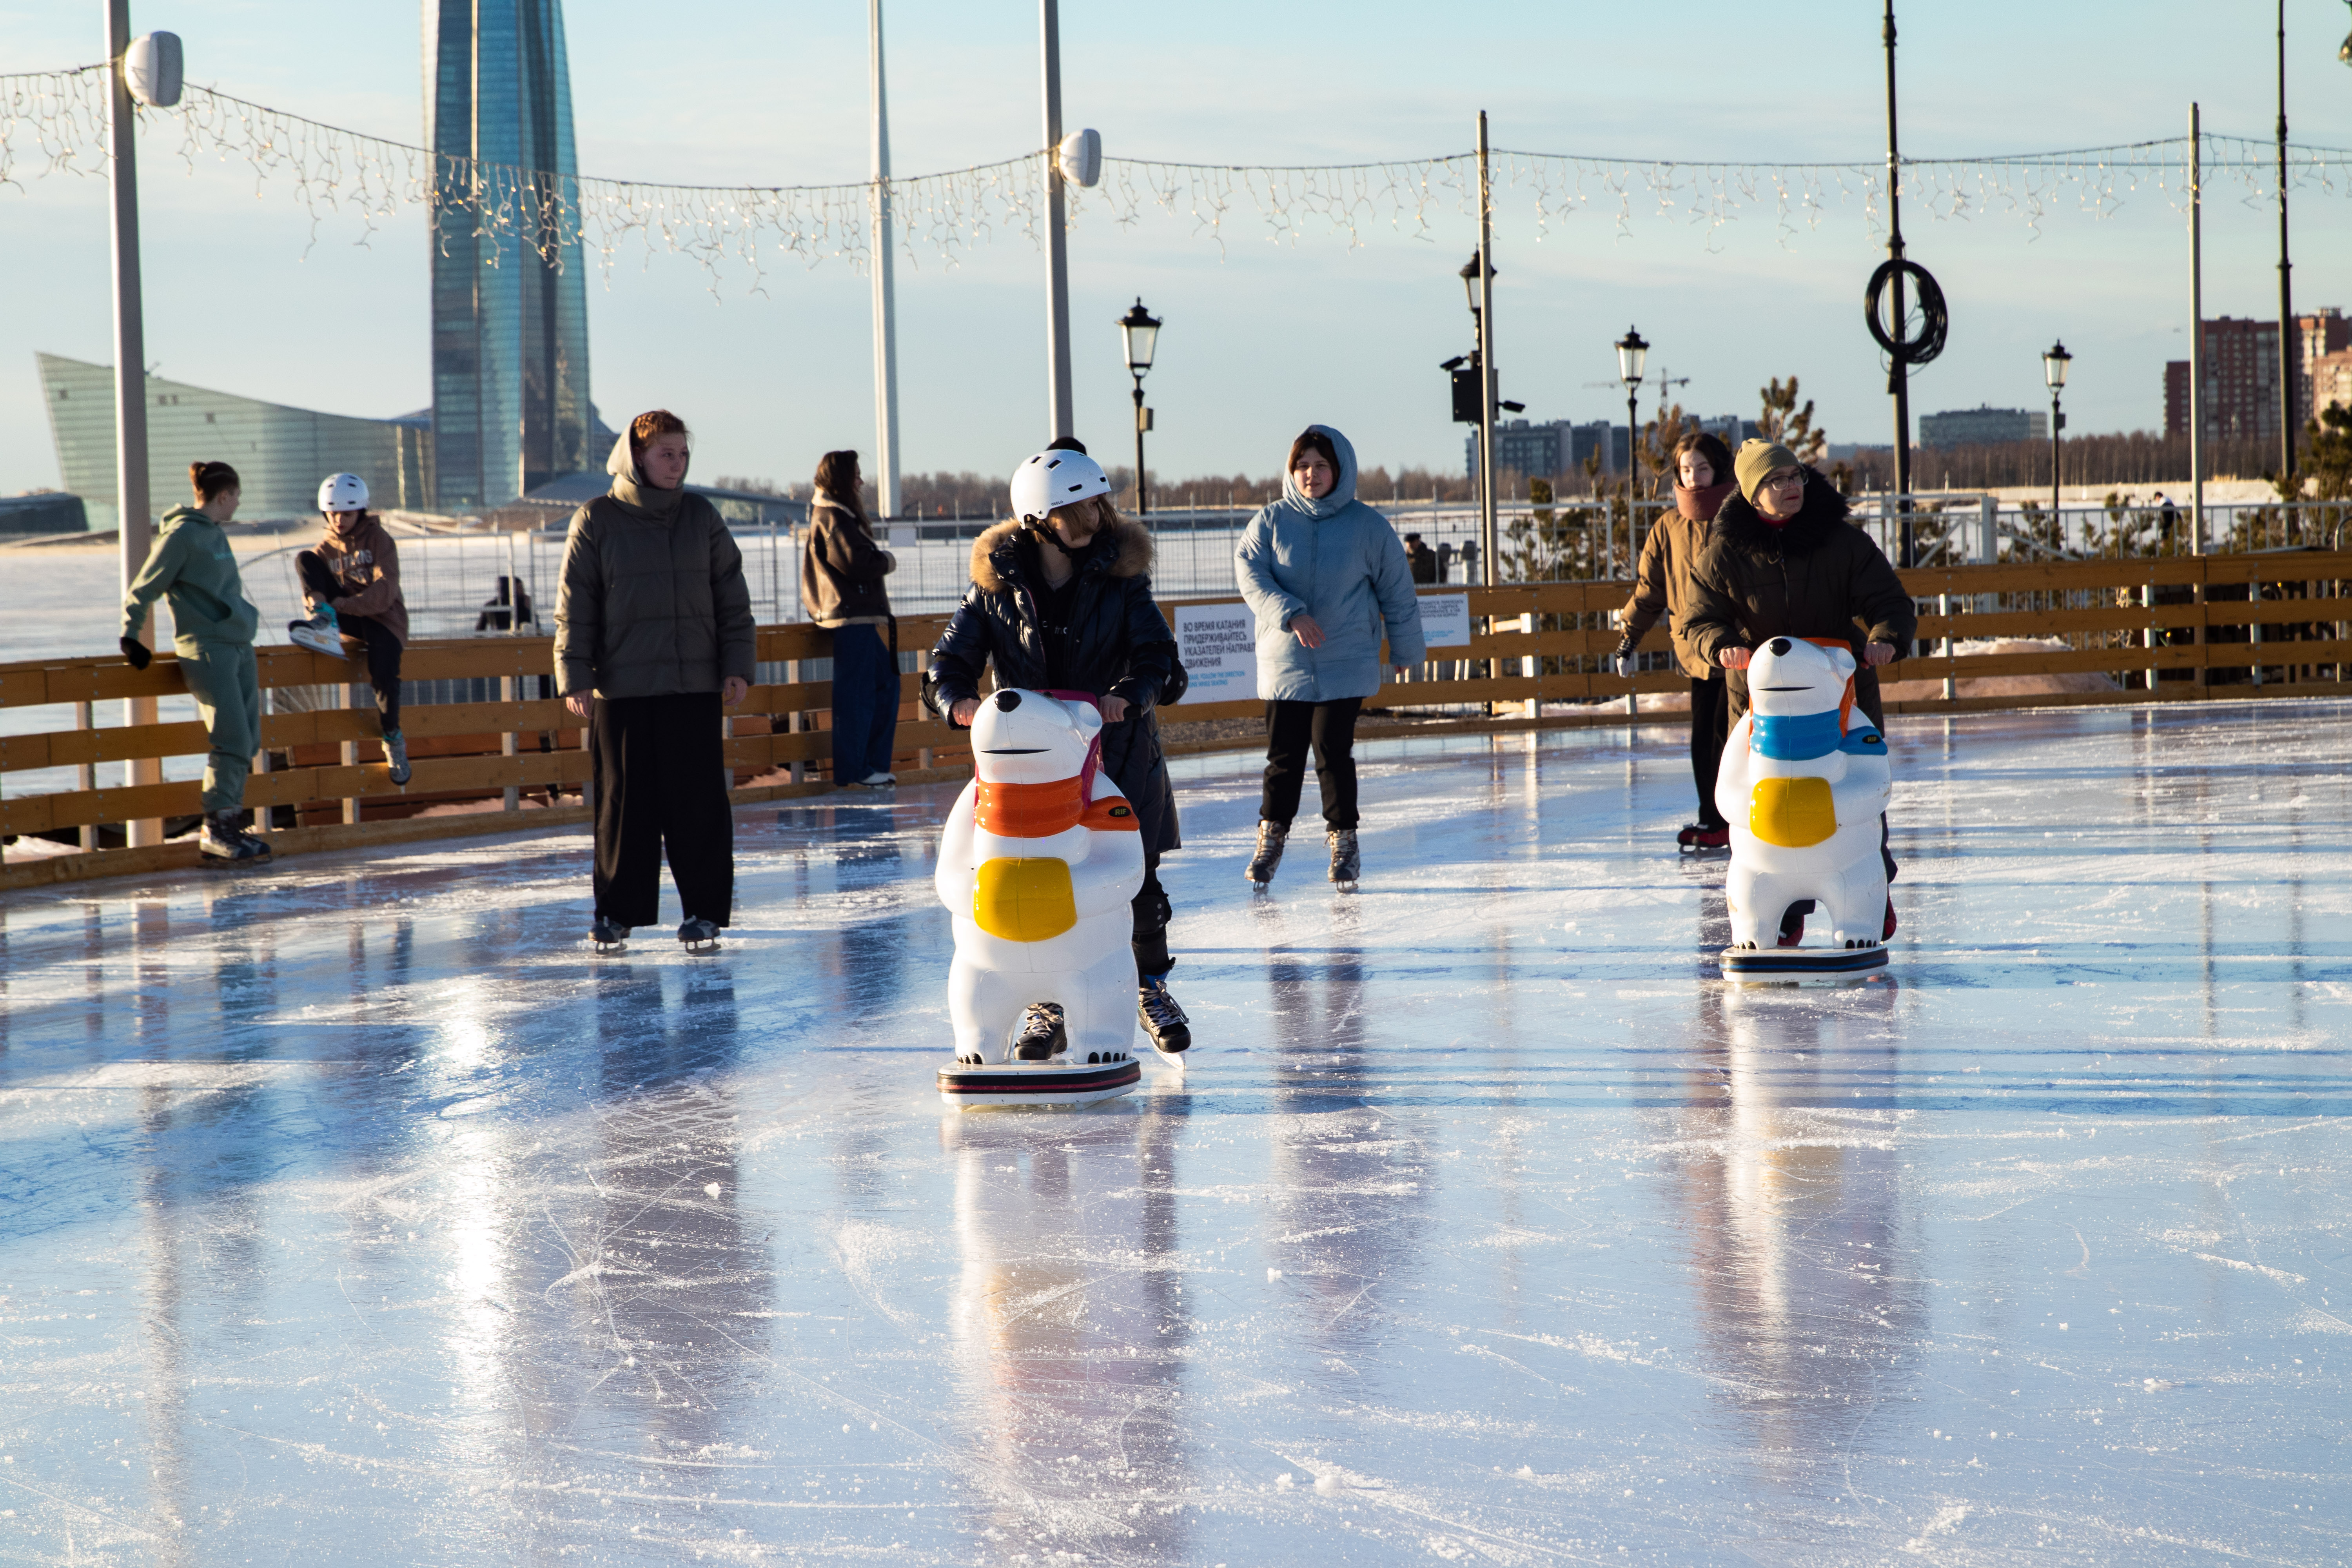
point(1043, 1035)
point(1163, 1021)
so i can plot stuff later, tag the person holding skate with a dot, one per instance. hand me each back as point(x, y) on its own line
point(1784, 561)
point(1061, 601)
point(1327, 578)
point(351, 585)
point(212, 623)
point(1703, 482)
point(654, 640)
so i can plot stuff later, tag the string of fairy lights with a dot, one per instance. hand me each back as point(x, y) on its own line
point(53, 123)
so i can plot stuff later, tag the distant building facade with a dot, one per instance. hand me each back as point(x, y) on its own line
point(510, 327)
point(43, 511)
point(280, 453)
point(2326, 336)
point(2240, 393)
point(2331, 381)
point(1983, 425)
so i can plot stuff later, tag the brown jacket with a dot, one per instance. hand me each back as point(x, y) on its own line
point(842, 569)
point(652, 601)
point(1662, 586)
point(366, 564)
point(1817, 575)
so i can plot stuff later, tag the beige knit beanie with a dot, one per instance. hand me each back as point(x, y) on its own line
point(1757, 459)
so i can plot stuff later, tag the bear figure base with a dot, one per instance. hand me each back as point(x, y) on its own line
point(1799, 963)
point(1055, 1082)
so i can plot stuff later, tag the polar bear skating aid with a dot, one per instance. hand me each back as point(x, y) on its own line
point(1804, 781)
point(1039, 863)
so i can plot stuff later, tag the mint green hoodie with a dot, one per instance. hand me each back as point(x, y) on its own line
point(192, 563)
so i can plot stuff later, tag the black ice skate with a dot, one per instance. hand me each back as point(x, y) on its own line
point(699, 935)
point(1043, 1035)
point(1345, 860)
point(224, 843)
point(1271, 837)
point(609, 934)
point(1164, 1023)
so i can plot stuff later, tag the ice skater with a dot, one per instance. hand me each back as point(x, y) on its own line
point(1783, 561)
point(1061, 602)
point(1327, 578)
point(213, 624)
point(653, 639)
point(1703, 482)
point(351, 585)
point(843, 588)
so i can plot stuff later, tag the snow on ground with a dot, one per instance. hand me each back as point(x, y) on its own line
point(350, 1211)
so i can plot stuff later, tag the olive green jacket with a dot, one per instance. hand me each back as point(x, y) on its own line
point(192, 564)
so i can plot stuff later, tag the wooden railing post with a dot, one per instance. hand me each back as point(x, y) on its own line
point(86, 718)
point(352, 751)
point(796, 723)
point(261, 760)
point(922, 666)
point(511, 798)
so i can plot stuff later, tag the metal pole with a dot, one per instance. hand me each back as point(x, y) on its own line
point(1058, 258)
point(885, 325)
point(1899, 382)
point(1633, 466)
point(130, 498)
point(2196, 336)
point(1142, 497)
point(1487, 536)
point(2056, 498)
point(2290, 350)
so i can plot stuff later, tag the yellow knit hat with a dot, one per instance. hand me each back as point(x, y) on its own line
point(1757, 459)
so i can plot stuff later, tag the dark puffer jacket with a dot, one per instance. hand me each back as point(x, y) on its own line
point(1817, 575)
point(1121, 647)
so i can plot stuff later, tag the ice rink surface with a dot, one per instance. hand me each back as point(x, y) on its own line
point(353, 1212)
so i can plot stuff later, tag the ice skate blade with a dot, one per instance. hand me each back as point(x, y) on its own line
point(1057, 1082)
point(232, 863)
point(1798, 962)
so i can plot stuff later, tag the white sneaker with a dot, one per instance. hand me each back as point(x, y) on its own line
point(878, 781)
point(317, 636)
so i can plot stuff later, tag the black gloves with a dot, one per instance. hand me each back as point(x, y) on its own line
point(1622, 661)
point(136, 652)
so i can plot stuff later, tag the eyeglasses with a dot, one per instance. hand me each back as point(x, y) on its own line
point(1782, 482)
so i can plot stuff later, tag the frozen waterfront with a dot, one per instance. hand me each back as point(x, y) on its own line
point(352, 1211)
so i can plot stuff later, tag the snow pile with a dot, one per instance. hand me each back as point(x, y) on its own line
point(2083, 681)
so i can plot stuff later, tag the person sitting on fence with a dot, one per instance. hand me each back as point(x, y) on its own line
point(508, 608)
point(351, 585)
point(1061, 601)
point(1703, 482)
point(844, 590)
point(653, 638)
point(1784, 561)
point(213, 624)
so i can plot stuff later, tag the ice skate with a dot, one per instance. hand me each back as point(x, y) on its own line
point(1345, 860)
point(222, 842)
point(1039, 865)
point(879, 781)
point(318, 634)
point(609, 934)
point(1698, 837)
point(1164, 1023)
point(1271, 838)
point(699, 935)
point(395, 756)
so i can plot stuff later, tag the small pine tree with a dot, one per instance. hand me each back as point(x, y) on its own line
point(1791, 425)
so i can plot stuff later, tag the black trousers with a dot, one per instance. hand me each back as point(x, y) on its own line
point(1152, 913)
point(1330, 728)
point(383, 648)
point(659, 787)
point(1711, 727)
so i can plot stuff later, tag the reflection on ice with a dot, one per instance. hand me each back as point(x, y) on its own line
point(355, 1212)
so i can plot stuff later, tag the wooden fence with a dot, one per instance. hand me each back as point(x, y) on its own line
point(2163, 630)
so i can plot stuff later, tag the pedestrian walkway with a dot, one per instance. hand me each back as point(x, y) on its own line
point(355, 1212)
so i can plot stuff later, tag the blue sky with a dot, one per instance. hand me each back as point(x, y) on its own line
point(1266, 336)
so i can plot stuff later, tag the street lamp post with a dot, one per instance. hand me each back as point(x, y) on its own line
point(1632, 356)
point(1140, 329)
point(2053, 371)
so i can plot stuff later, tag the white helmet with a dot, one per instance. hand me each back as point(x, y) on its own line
point(343, 492)
point(1055, 478)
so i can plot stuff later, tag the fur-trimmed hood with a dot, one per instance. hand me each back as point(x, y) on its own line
point(992, 553)
point(1825, 512)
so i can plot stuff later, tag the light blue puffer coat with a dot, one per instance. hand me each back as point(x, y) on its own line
point(1337, 560)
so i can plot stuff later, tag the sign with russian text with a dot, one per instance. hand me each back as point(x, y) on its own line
point(1218, 644)
point(1445, 620)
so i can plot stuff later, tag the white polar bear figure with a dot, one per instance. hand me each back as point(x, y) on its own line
point(1804, 781)
point(1038, 864)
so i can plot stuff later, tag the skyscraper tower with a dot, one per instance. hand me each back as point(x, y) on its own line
point(510, 327)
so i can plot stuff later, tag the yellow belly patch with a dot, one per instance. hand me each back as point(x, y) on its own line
point(1794, 814)
point(1025, 899)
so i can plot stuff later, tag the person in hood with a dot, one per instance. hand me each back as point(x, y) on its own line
point(213, 624)
point(653, 639)
point(1061, 601)
point(1662, 586)
point(1783, 561)
point(1328, 579)
point(843, 587)
point(351, 585)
